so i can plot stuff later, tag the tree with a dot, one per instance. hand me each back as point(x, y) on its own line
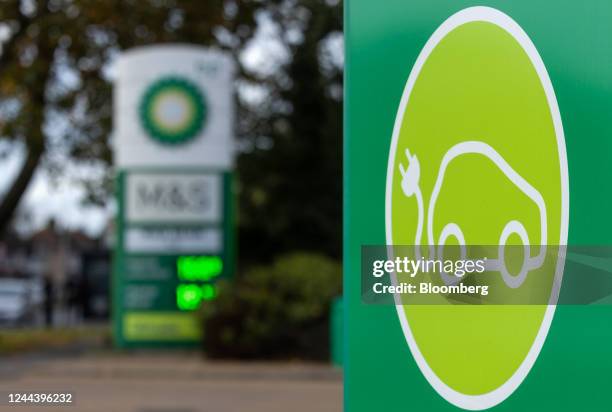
point(55, 85)
point(56, 103)
point(291, 172)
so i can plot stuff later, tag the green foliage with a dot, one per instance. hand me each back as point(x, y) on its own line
point(280, 310)
point(293, 170)
point(32, 340)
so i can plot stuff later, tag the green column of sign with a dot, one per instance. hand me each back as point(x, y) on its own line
point(532, 81)
point(174, 158)
point(157, 293)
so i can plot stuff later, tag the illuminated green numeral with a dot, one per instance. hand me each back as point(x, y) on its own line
point(198, 268)
point(208, 292)
point(189, 296)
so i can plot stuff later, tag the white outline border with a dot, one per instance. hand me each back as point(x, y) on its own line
point(491, 15)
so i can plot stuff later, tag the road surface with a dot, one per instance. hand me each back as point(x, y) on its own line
point(162, 382)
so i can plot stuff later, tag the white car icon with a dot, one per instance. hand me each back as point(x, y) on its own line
point(410, 187)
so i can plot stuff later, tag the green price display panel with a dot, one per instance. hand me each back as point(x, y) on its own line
point(147, 280)
point(171, 251)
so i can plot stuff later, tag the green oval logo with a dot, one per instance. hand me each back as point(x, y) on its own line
point(173, 110)
point(477, 156)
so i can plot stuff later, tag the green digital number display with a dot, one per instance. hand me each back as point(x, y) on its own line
point(190, 296)
point(198, 268)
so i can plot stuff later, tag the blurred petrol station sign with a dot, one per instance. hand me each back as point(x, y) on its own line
point(173, 148)
point(471, 126)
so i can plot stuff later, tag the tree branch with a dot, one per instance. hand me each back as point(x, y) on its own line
point(13, 196)
point(35, 141)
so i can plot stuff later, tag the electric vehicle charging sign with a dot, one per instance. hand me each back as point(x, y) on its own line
point(498, 119)
point(493, 170)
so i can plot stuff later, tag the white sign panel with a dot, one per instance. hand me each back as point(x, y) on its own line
point(173, 106)
point(173, 198)
point(173, 240)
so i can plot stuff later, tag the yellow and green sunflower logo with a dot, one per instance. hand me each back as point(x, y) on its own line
point(173, 110)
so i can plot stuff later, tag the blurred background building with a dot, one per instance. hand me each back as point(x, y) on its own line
point(66, 269)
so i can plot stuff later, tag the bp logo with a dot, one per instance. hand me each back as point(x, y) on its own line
point(478, 158)
point(173, 110)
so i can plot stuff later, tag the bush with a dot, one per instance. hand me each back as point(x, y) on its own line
point(278, 311)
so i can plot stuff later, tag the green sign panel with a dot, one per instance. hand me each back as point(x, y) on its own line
point(171, 250)
point(477, 126)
